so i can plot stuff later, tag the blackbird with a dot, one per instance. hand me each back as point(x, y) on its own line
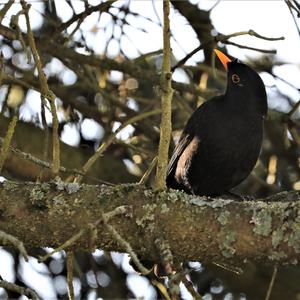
point(221, 141)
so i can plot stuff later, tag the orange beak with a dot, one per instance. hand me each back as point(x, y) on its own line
point(223, 58)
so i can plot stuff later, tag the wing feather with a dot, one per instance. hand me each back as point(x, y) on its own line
point(186, 146)
point(184, 141)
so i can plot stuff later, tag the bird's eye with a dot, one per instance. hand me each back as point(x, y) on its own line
point(235, 78)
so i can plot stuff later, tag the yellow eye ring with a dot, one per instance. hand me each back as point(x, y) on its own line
point(235, 78)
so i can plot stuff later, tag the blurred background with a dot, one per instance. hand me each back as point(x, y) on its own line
point(103, 60)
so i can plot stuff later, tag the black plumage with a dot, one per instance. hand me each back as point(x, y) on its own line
point(221, 141)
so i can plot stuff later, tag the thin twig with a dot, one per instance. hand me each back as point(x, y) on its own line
point(166, 104)
point(156, 13)
point(10, 239)
point(125, 245)
point(285, 81)
point(273, 51)
point(294, 19)
point(290, 125)
point(15, 24)
point(65, 245)
point(5, 9)
point(214, 6)
point(47, 165)
point(162, 245)
point(120, 210)
point(161, 25)
point(70, 260)
point(46, 136)
point(1, 68)
point(294, 133)
point(7, 140)
point(46, 92)
point(31, 294)
point(230, 268)
point(38, 161)
point(222, 38)
point(189, 285)
point(259, 36)
point(274, 274)
point(104, 6)
point(293, 110)
point(136, 149)
point(111, 139)
point(161, 287)
point(149, 171)
point(296, 7)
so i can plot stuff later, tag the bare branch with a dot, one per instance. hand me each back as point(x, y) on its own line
point(100, 8)
point(152, 165)
point(222, 38)
point(7, 140)
point(274, 274)
point(10, 239)
point(121, 210)
point(250, 48)
point(125, 245)
point(166, 104)
point(111, 139)
point(70, 259)
point(46, 92)
point(5, 9)
point(293, 110)
point(290, 6)
point(31, 294)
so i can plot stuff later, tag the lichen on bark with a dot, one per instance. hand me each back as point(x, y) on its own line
point(196, 228)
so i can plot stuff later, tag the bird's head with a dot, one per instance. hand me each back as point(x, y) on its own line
point(244, 83)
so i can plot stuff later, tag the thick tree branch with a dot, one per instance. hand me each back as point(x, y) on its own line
point(196, 228)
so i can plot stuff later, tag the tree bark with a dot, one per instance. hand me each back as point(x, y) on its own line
point(196, 228)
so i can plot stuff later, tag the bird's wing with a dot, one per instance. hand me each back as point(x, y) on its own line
point(186, 147)
point(185, 140)
point(183, 143)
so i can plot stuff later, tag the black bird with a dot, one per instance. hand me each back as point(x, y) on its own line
point(221, 141)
